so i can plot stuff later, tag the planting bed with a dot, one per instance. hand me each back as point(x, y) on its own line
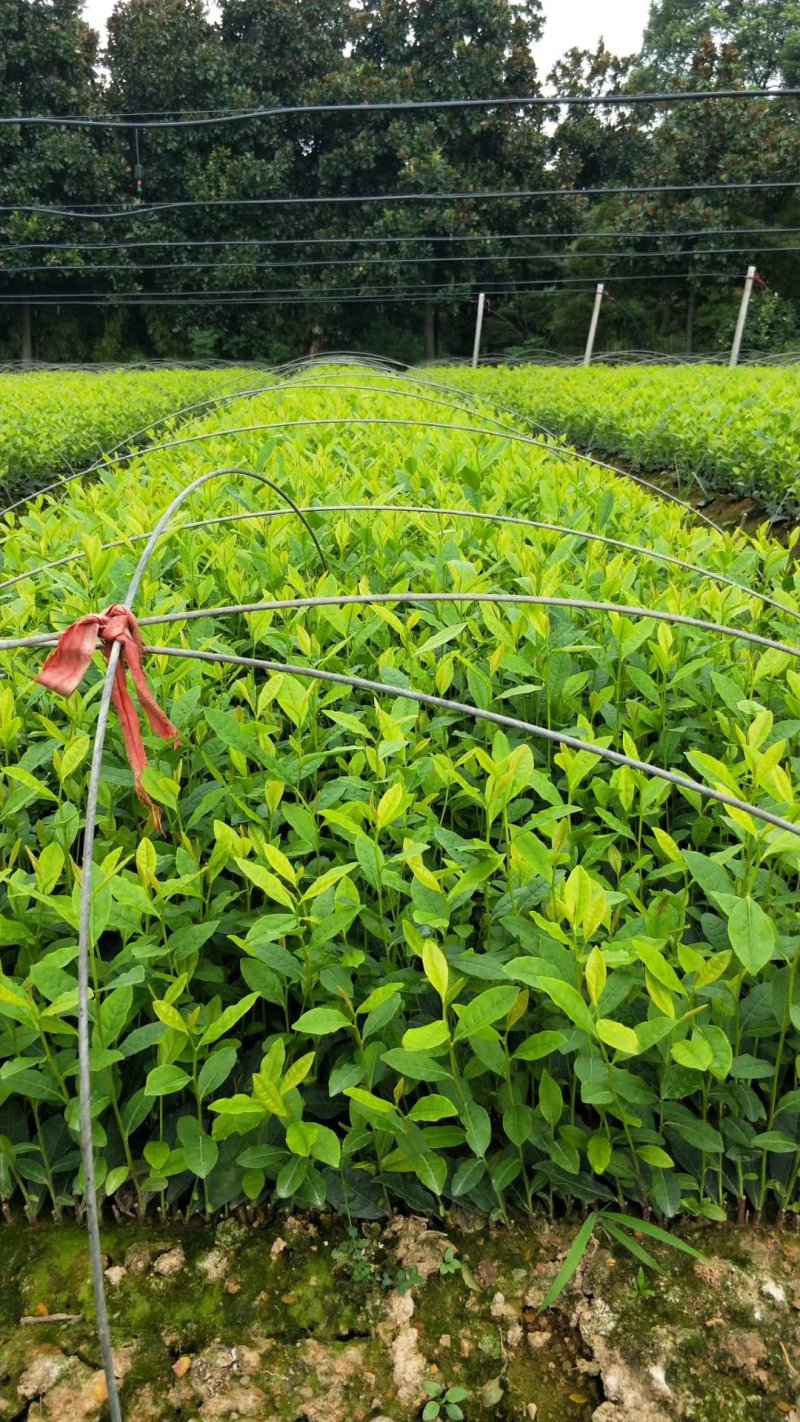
point(51, 421)
point(381, 953)
point(736, 431)
point(272, 964)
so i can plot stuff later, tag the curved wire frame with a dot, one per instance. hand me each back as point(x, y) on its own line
point(494, 718)
point(85, 930)
point(422, 510)
point(340, 600)
point(504, 431)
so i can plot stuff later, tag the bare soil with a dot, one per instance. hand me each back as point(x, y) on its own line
point(301, 1320)
point(727, 509)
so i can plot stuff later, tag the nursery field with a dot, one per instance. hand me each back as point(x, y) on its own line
point(729, 430)
point(382, 950)
point(471, 885)
point(52, 421)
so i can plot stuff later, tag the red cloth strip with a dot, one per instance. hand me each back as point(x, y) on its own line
point(67, 665)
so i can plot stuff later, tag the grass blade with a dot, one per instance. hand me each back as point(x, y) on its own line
point(652, 1231)
point(633, 1247)
point(570, 1265)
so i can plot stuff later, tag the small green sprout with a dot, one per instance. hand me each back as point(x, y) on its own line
point(444, 1402)
point(450, 1264)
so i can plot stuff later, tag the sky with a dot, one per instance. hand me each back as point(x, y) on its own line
point(581, 23)
point(567, 23)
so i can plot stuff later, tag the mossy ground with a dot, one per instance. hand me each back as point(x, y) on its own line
point(304, 1321)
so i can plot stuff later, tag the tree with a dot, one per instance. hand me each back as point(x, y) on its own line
point(280, 50)
point(764, 33)
point(594, 146)
point(713, 142)
point(446, 49)
point(47, 66)
point(176, 56)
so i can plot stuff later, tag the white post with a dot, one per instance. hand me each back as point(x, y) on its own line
point(739, 332)
point(476, 349)
point(598, 301)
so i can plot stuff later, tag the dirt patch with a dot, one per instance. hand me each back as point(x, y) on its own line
point(335, 1325)
point(728, 509)
point(417, 1244)
point(409, 1365)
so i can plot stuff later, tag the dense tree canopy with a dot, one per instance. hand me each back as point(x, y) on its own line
point(204, 259)
point(763, 34)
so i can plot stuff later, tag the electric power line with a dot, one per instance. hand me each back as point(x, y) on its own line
point(333, 294)
point(209, 117)
point(91, 213)
point(384, 261)
point(380, 240)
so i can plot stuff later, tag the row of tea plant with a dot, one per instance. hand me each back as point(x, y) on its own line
point(733, 430)
point(382, 952)
point(52, 422)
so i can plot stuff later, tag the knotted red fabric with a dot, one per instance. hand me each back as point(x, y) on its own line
point(67, 665)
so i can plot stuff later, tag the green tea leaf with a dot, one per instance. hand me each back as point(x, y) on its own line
point(551, 1103)
point(228, 1019)
point(389, 806)
point(416, 1065)
point(483, 1010)
point(695, 1054)
point(163, 1080)
point(216, 1069)
point(751, 935)
point(570, 1003)
point(291, 1177)
point(321, 1022)
point(655, 1156)
point(425, 1039)
point(477, 1125)
point(599, 1151)
point(435, 966)
point(170, 1016)
point(200, 1152)
point(541, 1044)
point(269, 884)
point(74, 755)
point(775, 1141)
point(431, 1169)
point(300, 1136)
point(369, 1101)
point(616, 1035)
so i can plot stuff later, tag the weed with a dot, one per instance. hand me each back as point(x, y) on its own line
point(444, 1402)
point(450, 1264)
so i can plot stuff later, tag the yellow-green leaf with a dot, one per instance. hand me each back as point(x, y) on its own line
point(596, 975)
point(616, 1035)
point(269, 884)
point(389, 806)
point(74, 754)
point(279, 862)
point(435, 966)
point(170, 1016)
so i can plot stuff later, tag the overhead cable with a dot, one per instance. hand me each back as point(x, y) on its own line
point(424, 261)
point(502, 101)
point(96, 212)
point(651, 234)
point(265, 296)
